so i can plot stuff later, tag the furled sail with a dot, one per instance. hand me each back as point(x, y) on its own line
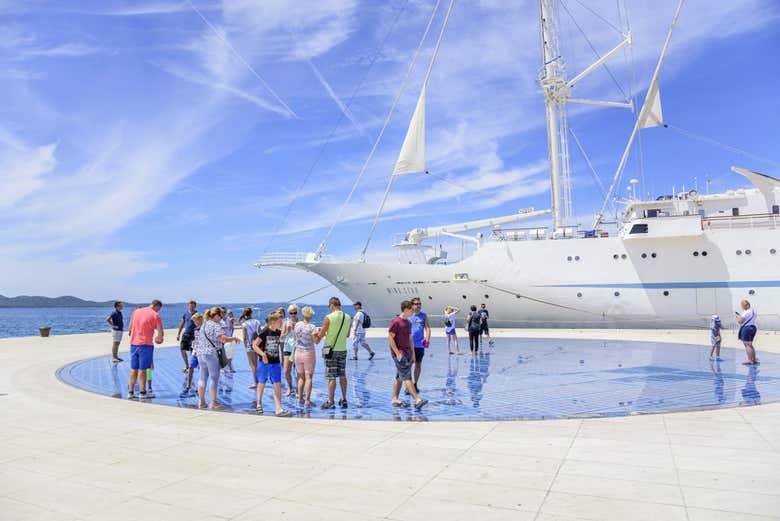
point(651, 115)
point(411, 160)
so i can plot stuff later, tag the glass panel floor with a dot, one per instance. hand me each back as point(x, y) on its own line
point(514, 379)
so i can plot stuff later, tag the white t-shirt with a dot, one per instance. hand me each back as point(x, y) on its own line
point(451, 318)
point(357, 323)
point(750, 318)
point(251, 327)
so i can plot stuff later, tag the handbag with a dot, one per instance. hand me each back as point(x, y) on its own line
point(221, 355)
point(327, 351)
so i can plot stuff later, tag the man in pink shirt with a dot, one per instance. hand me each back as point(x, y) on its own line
point(143, 324)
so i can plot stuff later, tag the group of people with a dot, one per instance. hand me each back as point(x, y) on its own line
point(476, 326)
point(747, 332)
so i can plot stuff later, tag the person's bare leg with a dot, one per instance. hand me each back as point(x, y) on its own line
point(300, 387)
point(142, 380)
point(750, 351)
point(712, 351)
point(115, 350)
point(396, 390)
point(417, 371)
point(201, 396)
point(457, 347)
point(449, 341)
point(332, 390)
point(186, 360)
point(343, 381)
point(278, 396)
point(190, 372)
point(251, 357)
point(412, 390)
point(717, 350)
point(288, 375)
point(260, 389)
point(308, 388)
point(213, 396)
point(133, 378)
point(367, 348)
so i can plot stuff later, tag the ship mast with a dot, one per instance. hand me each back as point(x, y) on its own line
point(553, 82)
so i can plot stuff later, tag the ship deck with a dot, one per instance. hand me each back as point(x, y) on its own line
point(97, 457)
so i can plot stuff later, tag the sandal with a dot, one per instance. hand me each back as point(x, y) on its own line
point(402, 403)
point(283, 414)
point(217, 406)
point(259, 409)
point(328, 405)
point(419, 405)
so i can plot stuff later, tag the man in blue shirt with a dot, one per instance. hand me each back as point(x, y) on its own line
point(188, 336)
point(117, 323)
point(421, 336)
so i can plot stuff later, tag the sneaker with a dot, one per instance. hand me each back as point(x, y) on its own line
point(143, 396)
point(371, 356)
point(328, 405)
point(343, 403)
point(131, 396)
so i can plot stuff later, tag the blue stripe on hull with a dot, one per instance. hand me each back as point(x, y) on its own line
point(675, 285)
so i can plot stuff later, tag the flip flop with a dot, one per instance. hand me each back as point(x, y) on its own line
point(259, 409)
point(218, 407)
point(419, 405)
point(283, 414)
point(402, 403)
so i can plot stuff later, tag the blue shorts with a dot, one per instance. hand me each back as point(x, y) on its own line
point(141, 356)
point(267, 372)
point(747, 333)
point(193, 362)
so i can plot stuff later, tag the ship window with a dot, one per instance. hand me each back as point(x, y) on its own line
point(735, 212)
point(653, 255)
point(696, 254)
point(776, 209)
point(430, 297)
point(576, 257)
point(568, 258)
point(772, 251)
point(739, 252)
point(666, 293)
point(579, 295)
point(617, 293)
point(464, 297)
point(623, 256)
point(652, 213)
point(748, 252)
point(487, 296)
point(752, 292)
point(616, 256)
point(644, 255)
point(704, 253)
point(639, 228)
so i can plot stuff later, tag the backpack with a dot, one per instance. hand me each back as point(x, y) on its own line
point(447, 323)
point(366, 320)
point(474, 323)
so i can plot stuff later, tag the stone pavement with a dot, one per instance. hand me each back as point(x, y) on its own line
point(71, 455)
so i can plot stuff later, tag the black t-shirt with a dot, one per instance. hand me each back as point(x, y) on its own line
point(270, 343)
point(483, 315)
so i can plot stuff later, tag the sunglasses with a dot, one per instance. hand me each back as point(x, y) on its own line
point(293, 312)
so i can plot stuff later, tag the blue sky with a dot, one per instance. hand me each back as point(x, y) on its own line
point(141, 157)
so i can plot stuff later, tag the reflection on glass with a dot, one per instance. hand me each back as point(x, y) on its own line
point(750, 394)
point(718, 386)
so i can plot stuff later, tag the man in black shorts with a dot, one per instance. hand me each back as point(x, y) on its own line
point(186, 338)
point(483, 324)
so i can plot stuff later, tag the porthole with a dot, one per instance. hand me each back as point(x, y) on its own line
point(653, 255)
point(616, 256)
point(666, 293)
point(644, 255)
point(430, 297)
point(579, 295)
point(696, 254)
point(623, 256)
point(576, 257)
point(568, 258)
point(772, 251)
point(464, 297)
point(752, 292)
point(739, 252)
point(617, 293)
point(748, 252)
point(704, 253)
point(487, 296)
point(518, 296)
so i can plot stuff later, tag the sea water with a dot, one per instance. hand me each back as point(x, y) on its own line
point(64, 321)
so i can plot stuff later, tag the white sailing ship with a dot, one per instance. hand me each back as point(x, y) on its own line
point(668, 262)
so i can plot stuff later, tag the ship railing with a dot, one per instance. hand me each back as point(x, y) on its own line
point(291, 259)
point(740, 222)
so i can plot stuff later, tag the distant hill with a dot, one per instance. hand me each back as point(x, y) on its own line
point(25, 301)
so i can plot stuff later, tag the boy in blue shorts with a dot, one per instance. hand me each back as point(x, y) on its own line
point(267, 345)
point(715, 326)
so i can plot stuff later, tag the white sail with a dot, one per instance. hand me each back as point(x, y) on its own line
point(651, 115)
point(411, 160)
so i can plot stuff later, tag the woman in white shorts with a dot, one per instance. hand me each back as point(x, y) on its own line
point(305, 356)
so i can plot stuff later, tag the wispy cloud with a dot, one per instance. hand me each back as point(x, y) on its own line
point(332, 94)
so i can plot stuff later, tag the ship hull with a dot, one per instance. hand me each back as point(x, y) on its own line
point(671, 282)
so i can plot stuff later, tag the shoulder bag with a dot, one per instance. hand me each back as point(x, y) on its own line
point(327, 351)
point(221, 355)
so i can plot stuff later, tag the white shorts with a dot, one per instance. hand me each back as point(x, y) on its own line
point(116, 336)
point(359, 340)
